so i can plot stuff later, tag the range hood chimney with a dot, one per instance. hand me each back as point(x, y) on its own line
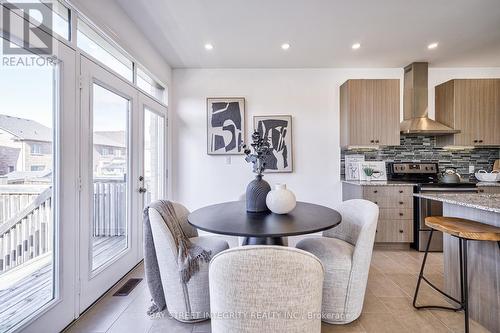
point(415, 108)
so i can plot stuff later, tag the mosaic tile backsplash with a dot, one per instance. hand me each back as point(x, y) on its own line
point(423, 149)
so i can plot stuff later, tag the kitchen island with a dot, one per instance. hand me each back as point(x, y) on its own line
point(483, 256)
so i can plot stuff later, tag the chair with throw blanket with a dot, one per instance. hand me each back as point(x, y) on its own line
point(345, 252)
point(177, 276)
point(258, 289)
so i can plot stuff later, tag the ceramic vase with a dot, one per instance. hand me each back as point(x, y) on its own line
point(280, 200)
point(256, 194)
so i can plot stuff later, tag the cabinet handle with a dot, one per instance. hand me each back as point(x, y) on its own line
point(401, 214)
point(375, 191)
point(376, 203)
point(372, 141)
point(376, 141)
point(401, 202)
point(480, 141)
point(475, 141)
point(481, 190)
point(400, 191)
point(400, 231)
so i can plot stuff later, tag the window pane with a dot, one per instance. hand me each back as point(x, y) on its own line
point(110, 169)
point(27, 107)
point(154, 156)
point(60, 23)
point(150, 86)
point(92, 43)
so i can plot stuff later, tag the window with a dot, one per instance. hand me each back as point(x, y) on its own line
point(36, 149)
point(28, 102)
point(60, 24)
point(150, 86)
point(96, 46)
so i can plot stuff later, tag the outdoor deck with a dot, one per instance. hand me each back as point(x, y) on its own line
point(34, 288)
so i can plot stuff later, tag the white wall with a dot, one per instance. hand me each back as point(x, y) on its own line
point(311, 96)
point(110, 18)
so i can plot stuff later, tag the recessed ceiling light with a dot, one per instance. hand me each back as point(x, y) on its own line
point(209, 47)
point(356, 46)
point(432, 46)
point(285, 46)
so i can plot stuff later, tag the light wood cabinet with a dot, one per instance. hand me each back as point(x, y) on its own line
point(395, 223)
point(369, 113)
point(471, 106)
point(489, 189)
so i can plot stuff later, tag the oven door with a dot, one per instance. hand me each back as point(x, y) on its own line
point(425, 208)
point(429, 208)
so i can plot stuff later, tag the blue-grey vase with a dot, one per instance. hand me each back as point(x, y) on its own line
point(257, 191)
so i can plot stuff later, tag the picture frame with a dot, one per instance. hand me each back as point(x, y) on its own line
point(278, 129)
point(225, 125)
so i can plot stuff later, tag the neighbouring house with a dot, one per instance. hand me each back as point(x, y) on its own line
point(26, 151)
point(26, 145)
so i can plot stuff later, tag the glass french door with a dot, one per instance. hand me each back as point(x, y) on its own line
point(109, 223)
point(153, 175)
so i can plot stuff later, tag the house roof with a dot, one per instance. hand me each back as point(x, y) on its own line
point(25, 129)
point(30, 130)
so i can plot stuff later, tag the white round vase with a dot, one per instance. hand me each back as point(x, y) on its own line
point(280, 200)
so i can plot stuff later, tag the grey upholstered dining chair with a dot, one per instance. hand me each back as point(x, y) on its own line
point(260, 289)
point(345, 252)
point(185, 302)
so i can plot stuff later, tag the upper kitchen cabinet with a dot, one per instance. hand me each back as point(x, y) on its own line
point(471, 106)
point(369, 113)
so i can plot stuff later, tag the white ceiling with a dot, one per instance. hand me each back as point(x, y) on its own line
point(392, 33)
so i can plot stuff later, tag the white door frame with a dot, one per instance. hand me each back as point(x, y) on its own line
point(95, 283)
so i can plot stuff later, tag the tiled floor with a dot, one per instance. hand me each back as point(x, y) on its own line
point(387, 306)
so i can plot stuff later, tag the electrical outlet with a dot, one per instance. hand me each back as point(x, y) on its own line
point(471, 169)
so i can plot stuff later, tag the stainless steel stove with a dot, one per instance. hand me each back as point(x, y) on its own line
point(427, 179)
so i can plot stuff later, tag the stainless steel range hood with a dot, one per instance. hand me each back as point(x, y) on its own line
point(415, 112)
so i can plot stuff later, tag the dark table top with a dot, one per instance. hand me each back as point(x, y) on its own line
point(231, 218)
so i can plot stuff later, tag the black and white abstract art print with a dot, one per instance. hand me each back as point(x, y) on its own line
point(278, 130)
point(225, 125)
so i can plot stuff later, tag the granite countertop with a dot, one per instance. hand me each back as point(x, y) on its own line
point(487, 202)
point(378, 183)
point(488, 184)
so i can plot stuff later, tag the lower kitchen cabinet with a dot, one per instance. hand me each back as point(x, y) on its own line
point(489, 189)
point(395, 224)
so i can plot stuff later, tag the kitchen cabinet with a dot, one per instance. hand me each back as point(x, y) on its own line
point(369, 113)
point(489, 189)
point(395, 223)
point(471, 106)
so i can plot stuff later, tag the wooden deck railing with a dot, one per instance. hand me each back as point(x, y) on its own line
point(26, 233)
point(110, 207)
point(26, 219)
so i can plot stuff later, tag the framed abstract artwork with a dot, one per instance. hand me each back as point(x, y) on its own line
point(278, 130)
point(225, 125)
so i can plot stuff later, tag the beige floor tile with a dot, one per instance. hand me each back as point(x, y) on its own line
point(372, 304)
point(420, 321)
point(398, 304)
point(455, 321)
point(354, 327)
point(132, 323)
point(382, 286)
point(381, 323)
point(170, 325)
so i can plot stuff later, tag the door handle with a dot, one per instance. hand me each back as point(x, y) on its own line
point(142, 190)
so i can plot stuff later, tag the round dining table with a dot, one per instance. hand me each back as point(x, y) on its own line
point(265, 228)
